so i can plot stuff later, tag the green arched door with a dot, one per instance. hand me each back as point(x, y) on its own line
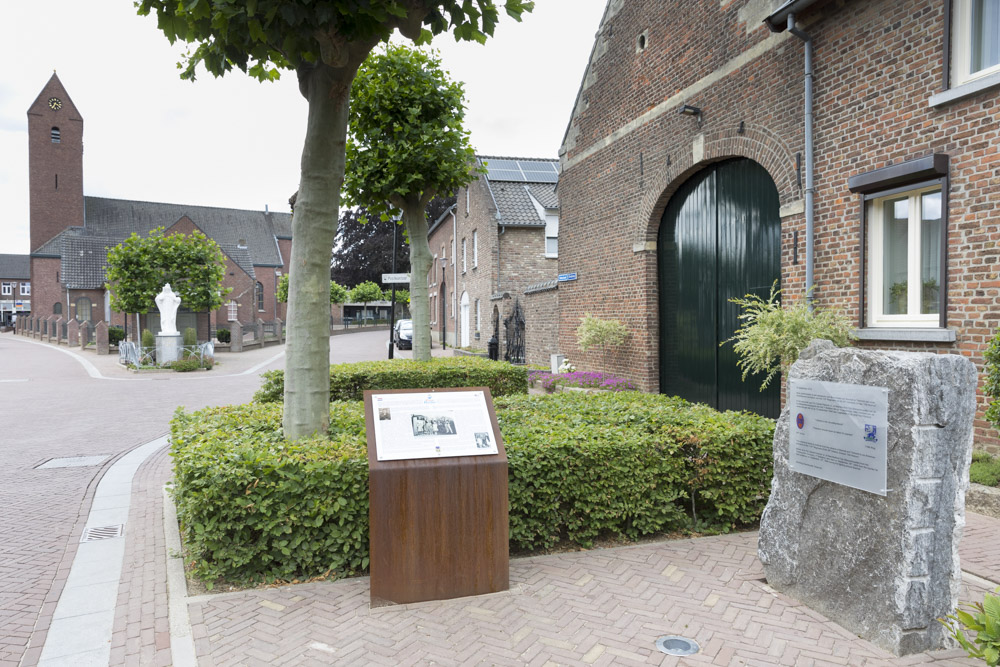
point(720, 238)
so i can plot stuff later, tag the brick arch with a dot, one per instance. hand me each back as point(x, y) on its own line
point(756, 143)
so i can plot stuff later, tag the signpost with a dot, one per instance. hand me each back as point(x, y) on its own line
point(392, 278)
point(838, 432)
point(566, 277)
point(438, 517)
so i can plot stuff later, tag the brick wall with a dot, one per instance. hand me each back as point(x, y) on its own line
point(876, 66)
point(541, 325)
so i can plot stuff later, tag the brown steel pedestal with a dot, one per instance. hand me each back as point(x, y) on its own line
point(438, 527)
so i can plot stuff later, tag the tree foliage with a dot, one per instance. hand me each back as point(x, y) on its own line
point(364, 248)
point(338, 293)
point(595, 332)
point(771, 337)
point(139, 266)
point(406, 144)
point(324, 42)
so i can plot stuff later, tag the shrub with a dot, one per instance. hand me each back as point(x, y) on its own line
point(208, 362)
point(116, 334)
point(985, 469)
point(190, 336)
point(255, 507)
point(991, 379)
point(349, 381)
point(771, 337)
point(148, 339)
point(185, 365)
point(222, 335)
point(595, 332)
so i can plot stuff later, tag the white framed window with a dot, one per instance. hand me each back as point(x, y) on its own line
point(975, 39)
point(551, 235)
point(475, 248)
point(232, 311)
point(7, 289)
point(464, 265)
point(25, 289)
point(905, 275)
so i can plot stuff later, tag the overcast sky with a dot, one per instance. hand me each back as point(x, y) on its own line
point(233, 142)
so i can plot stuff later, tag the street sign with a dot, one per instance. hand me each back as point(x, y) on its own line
point(566, 277)
point(396, 277)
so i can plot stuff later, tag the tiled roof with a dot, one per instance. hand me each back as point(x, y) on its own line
point(84, 259)
point(513, 201)
point(117, 218)
point(282, 225)
point(240, 255)
point(15, 267)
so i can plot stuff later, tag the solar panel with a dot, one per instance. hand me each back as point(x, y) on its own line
point(522, 171)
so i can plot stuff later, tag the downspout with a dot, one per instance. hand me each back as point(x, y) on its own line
point(810, 200)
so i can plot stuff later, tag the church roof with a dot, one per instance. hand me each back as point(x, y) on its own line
point(15, 267)
point(247, 237)
point(513, 182)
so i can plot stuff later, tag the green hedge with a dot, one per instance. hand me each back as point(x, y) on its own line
point(985, 469)
point(349, 381)
point(257, 508)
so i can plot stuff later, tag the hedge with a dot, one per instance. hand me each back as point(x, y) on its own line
point(257, 508)
point(349, 381)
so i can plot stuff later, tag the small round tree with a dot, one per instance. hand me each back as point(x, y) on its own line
point(365, 293)
point(405, 145)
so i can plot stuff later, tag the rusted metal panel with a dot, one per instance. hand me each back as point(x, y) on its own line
point(438, 527)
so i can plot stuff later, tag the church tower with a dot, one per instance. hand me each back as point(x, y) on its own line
point(55, 163)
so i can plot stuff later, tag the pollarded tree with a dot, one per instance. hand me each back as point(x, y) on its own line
point(138, 267)
point(338, 293)
point(324, 42)
point(405, 145)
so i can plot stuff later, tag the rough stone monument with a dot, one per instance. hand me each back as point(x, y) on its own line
point(169, 341)
point(884, 567)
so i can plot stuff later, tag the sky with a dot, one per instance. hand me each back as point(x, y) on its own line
point(234, 142)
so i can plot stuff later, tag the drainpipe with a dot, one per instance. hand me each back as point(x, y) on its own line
point(810, 205)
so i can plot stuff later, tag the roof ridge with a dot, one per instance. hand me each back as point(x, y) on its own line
point(526, 159)
point(165, 203)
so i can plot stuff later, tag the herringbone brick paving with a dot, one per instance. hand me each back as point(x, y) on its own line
point(603, 607)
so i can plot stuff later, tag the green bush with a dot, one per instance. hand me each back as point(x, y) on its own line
point(991, 379)
point(190, 336)
point(255, 507)
point(185, 365)
point(116, 334)
point(985, 469)
point(148, 339)
point(222, 335)
point(349, 381)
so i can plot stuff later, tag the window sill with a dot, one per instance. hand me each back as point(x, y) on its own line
point(915, 335)
point(967, 89)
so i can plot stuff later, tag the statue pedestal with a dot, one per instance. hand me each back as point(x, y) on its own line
point(168, 347)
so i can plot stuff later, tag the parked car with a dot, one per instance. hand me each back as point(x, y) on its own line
point(402, 335)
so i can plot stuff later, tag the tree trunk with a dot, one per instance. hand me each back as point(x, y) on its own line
point(420, 265)
point(314, 226)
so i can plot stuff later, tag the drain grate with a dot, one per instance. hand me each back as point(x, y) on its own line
point(673, 645)
point(102, 533)
point(74, 462)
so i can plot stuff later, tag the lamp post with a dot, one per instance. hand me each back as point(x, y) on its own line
point(444, 305)
point(392, 304)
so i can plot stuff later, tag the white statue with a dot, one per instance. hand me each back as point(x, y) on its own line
point(167, 303)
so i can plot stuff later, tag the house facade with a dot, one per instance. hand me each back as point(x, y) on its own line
point(15, 288)
point(707, 157)
point(71, 233)
point(500, 246)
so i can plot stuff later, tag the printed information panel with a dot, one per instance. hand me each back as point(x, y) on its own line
point(432, 425)
point(838, 433)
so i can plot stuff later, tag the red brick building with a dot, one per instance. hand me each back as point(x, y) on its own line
point(687, 168)
point(71, 233)
point(15, 288)
point(500, 241)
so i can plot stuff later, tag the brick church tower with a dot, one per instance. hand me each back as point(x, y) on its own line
point(55, 163)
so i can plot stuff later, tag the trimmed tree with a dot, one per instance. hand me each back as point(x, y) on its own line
point(138, 267)
point(365, 293)
point(338, 293)
point(324, 42)
point(405, 145)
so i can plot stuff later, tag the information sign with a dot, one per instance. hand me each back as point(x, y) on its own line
point(838, 432)
point(432, 425)
point(395, 277)
point(566, 277)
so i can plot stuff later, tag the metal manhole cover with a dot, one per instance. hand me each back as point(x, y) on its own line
point(673, 645)
point(73, 462)
point(102, 533)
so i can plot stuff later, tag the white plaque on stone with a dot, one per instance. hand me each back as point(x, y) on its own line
point(838, 432)
point(435, 424)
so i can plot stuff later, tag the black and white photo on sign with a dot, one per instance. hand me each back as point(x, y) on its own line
point(482, 440)
point(384, 414)
point(432, 424)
